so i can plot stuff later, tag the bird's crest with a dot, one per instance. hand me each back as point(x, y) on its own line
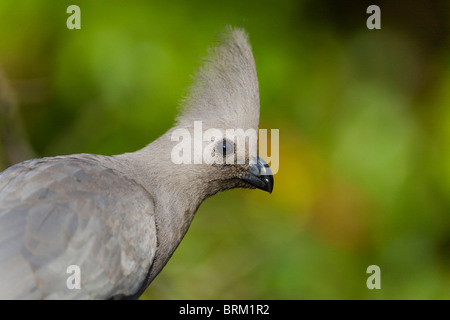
point(225, 91)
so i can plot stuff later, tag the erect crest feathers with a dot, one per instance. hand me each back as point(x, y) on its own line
point(225, 91)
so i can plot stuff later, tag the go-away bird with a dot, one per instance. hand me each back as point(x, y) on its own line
point(118, 219)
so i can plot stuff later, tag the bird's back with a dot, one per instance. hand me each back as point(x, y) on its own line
point(80, 211)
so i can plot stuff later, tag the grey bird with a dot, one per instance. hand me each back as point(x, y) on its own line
point(119, 219)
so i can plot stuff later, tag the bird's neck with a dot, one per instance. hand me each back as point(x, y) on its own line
point(176, 190)
point(173, 185)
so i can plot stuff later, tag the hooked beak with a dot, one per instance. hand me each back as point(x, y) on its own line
point(259, 175)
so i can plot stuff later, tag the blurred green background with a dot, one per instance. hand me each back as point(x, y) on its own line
point(364, 120)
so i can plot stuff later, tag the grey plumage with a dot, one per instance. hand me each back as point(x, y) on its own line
point(61, 211)
point(120, 218)
point(225, 93)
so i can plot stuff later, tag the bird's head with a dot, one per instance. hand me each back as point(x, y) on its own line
point(217, 129)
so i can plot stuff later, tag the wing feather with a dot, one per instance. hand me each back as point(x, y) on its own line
point(73, 210)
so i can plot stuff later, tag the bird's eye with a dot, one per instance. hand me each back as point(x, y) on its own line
point(225, 147)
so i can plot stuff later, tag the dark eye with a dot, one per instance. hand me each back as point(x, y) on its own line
point(225, 147)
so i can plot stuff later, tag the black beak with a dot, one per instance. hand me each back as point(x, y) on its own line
point(259, 175)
